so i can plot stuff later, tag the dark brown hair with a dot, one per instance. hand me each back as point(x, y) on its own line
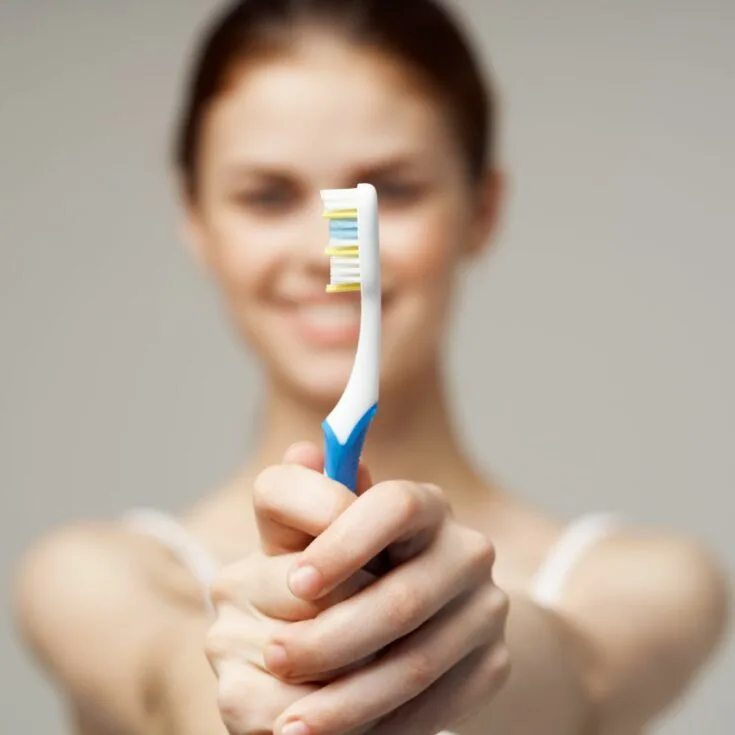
point(419, 33)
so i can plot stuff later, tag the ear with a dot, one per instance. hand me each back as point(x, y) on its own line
point(191, 225)
point(489, 203)
point(192, 233)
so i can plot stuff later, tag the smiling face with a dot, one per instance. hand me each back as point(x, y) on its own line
point(330, 116)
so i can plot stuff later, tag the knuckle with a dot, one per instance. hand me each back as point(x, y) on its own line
point(493, 606)
point(307, 648)
point(226, 585)
point(403, 605)
point(440, 497)
point(499, 664)
point(264, 497)
point(407, 498)
point(221, 589)
point(232, 697)
point(330, 718)
point(494, 602)
point(502, 603)
point(481, 553)
point(420, 670)
point(495, 667)
point(227, 635)
point(216, 643)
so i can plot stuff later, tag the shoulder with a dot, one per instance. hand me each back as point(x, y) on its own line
point(655, 605)
point(667, 575)
point(69, 573)
point(89, 594)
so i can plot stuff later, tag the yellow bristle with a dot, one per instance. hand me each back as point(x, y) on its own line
point(342, 287)
point(343, 251)
point(340, 214)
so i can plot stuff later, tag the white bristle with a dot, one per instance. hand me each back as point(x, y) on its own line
point(336, 199)
point(344, 268)
point(341, 272)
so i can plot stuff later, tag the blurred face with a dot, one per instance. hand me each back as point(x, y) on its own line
point(327, 117)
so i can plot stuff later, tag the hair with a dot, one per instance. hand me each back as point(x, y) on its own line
point(419, 33)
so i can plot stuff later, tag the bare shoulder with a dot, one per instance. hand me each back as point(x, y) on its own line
point(89, 595)
point(656, 573)
point(656, 605)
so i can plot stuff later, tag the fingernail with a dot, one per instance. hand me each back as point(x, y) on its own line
point(275, 657)
point(296, 727)
point(305, 581)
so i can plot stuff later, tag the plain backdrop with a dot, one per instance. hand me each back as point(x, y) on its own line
point(594, 355)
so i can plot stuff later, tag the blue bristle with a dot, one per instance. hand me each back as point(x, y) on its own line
point(343, 229)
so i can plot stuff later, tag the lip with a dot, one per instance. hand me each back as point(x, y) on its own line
point(322, 297)
point(324, 335)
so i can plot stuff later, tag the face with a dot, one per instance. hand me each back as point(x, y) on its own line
point(329, 117)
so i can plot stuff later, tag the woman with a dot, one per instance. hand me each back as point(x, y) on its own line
point(494, 618)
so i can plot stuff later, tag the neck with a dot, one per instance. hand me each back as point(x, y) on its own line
point(411, 437)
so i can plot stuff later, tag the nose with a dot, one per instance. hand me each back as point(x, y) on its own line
point(311, 238)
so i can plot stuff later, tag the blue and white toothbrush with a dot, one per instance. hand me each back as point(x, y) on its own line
point(354, 250)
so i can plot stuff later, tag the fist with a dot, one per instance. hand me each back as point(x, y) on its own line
point(254, 598)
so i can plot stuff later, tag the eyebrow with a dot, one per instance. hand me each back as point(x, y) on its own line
point(272, 171)
point(388, 167)
point(234, 172)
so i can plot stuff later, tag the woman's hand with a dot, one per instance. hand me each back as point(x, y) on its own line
point(252, 598)
point(437, 619)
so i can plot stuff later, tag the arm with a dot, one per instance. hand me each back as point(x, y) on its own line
point(124, 660)
point(640, 619)
point(75, 600)
point(183, 686)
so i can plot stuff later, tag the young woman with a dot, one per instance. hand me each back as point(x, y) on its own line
point(251, 612)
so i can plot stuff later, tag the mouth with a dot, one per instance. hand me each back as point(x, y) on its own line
point(336, 315)
point(330, 320)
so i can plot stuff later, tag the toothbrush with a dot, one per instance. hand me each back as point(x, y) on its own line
point(354, 252)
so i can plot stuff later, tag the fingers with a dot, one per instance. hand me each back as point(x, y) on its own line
point(389, 609)
point(402, 513)
point(237, 636)
point(293, 504)
point(258, 584)
point(250, 700)
point(408, 669)
point(305, 454)
point(310, 456)
point(456, 697)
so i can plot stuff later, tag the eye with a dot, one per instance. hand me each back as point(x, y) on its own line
point(270, 199)
point(399, 192)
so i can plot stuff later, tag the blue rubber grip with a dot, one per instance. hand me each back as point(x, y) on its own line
point(341, 461)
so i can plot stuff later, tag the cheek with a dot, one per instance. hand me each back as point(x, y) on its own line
point(241, 262)
point(422, 249)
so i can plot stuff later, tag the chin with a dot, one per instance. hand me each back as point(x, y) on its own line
point(319, 380)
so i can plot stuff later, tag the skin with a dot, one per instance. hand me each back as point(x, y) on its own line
point(449, 638)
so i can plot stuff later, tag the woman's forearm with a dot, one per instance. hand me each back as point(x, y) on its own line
point(551, 684)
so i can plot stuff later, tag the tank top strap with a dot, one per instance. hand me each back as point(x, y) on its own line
point(568, 550)
point(170, 533)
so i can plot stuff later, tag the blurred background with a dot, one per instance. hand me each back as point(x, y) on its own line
point(595, 351)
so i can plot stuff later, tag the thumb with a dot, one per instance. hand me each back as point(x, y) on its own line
point(293, 506)
point(309, 455)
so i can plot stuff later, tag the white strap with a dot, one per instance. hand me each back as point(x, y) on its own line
point(566, 552)
point(172, 534)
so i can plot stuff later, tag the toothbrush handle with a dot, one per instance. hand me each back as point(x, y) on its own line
point(341, 462)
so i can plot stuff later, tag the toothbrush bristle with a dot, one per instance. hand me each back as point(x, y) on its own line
point(343, 248)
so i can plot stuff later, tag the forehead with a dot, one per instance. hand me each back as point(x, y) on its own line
point(324, 109)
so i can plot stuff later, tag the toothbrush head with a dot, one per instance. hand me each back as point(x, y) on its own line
point(353, 239)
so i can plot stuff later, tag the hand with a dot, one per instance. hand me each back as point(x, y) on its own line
point(437, 619)
point(252, 597)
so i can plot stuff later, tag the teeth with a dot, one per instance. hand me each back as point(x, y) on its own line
point(331, 315)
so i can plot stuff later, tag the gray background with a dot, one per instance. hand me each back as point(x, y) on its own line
point(594, 357)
